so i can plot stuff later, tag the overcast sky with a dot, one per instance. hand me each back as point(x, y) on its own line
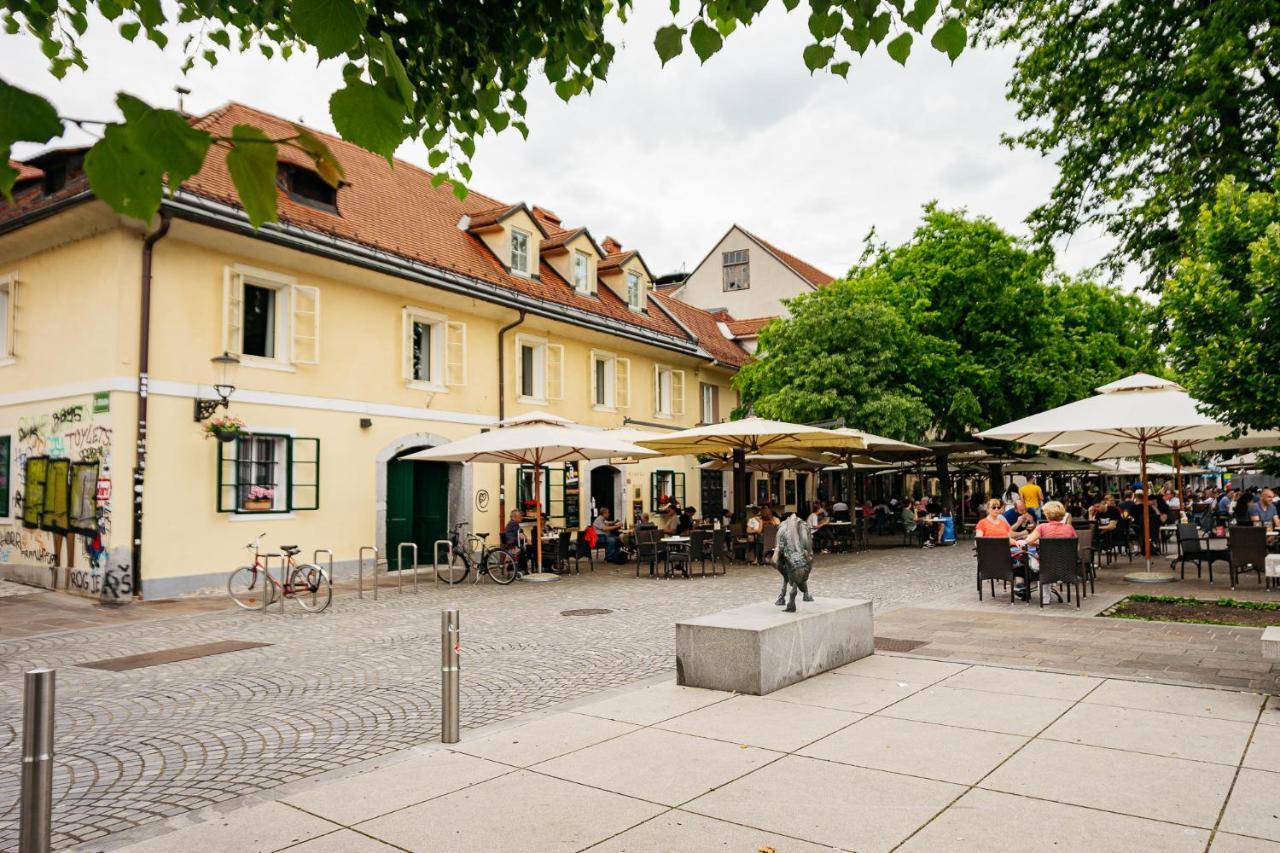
point(666, 159)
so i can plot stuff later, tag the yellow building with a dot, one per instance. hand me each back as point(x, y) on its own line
point(372, 321)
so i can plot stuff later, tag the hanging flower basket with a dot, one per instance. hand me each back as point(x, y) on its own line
point(225, 428)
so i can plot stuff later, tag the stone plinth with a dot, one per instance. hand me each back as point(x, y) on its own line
point(1271, 643)
point(758, 648)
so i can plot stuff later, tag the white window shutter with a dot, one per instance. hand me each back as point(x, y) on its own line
point(406, 347)
point(622, 383)
point(232, 296)
point(304, 305)
point(555, 372)
point(455, 356)
point(657, 390)
point(677, 393)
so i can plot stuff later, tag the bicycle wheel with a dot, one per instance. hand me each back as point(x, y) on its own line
point(249, 588)
point(456, 569)
point(501, 566)
point(311, 587)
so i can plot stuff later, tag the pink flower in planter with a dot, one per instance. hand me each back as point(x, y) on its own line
point(261, 493)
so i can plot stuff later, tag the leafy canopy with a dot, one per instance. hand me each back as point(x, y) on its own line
point(1222, 304)
point(957, 329)
point(1145, 105)
point(444, 72)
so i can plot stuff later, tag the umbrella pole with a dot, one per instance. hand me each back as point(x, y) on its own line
point(538, 574)
point(1177, 476)
point(1147, 576)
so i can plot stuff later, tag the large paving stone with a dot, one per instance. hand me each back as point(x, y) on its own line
point(979, 709)
point(846, 692)
point(759, 648)
point(543, 739)
point(1024, 682)
point(682, 832)
point(1154, 732)
point(1252, 808)
point(1195, 701)
point(759, 722)
point(260, 829)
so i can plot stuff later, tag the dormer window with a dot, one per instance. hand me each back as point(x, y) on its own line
point(737, 270)
point(635, 292)
point(307, 188)
point(581, 274)
point(519, 251)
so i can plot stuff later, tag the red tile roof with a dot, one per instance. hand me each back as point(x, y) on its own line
point(748, 327)
point(804, 269)
point(704, 326)
point(25, 172)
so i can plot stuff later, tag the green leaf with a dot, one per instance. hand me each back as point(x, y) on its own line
point(252, 164)
point(950, 38)
point(817, 56)
point(468, 146)
point(858, 39)
point(129, 30)
point(166, 138)
point(705, 40)
point(332, 26)
point(669, 42)
point(24, 117)
point(435, 158)
point(327, 165)
point(900, 48)
point(841, 68)
point(879, 27)
point(920, 14)
point(367, 116)
point(392, 61)
point(121, 174)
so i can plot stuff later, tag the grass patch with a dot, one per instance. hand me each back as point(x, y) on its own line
point(1172, 608)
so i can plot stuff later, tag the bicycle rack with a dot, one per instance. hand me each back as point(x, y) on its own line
point(435, 557)
point(266, 566)
point(315, 558)
point(360, 576)
point(400, 568)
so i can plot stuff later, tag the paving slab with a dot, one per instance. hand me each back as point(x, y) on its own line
point(990, 822)
point(1226, 843)
point(1169, 789)
point(1254, 807)
point(683, 832)
point(376, 792)
point(1024, 682)
point(758, 722)
point(827, 803)
point(543, 739)
point(846, 692)
point(979, 709)
point(659, 766)
point(917, 749)
point(1194, 701)
point(1156, 733)
point(260, 829)
point(342, 841)
point(516, 813)
point(1264, 749)
point(895, 668)
point(652, 704)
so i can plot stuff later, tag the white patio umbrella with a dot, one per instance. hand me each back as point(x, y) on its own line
point(1129, 417)
point(751, 435)
point(535, 439)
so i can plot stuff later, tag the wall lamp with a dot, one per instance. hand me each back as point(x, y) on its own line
point(206, 408)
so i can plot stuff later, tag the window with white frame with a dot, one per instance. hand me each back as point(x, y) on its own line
point(635, 291)
point(710, 403)
point(604, 380)
point(539, 367)
point(668, 391)
point(581, 272)
point(8, 311)
point(270, 319)
point(519, 251)
point(259, 473)
point(737, 270)
point(434, 350)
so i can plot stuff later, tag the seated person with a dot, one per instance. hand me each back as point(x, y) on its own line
point(994, 523)
point(840, 511)
point(1055, 526)
point(645, 522)
point(1263, 513)
point(668, 522)
point(1019, 518)
point(818, 522)
point(515, 542)
point(684, 523)
point(608, 532)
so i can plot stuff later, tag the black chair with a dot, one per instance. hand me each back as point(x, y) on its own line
point(1248, 547)
point(995, 563)
point(565, 550)
point(647, 550)
point(1085, 560)
point(698, 549)
point(582, 550)
point(677, 559)
point(1194, 549)
point(720, 551)
point(1059, 563)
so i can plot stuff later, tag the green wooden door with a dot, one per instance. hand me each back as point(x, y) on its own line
point(417, 507)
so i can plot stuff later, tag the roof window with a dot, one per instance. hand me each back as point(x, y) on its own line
point(307, 187)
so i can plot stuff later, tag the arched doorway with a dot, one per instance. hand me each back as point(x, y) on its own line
point(417, 501)
point(606, 491)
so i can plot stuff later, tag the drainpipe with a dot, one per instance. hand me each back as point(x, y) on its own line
point(502, 412)
point(144, 365)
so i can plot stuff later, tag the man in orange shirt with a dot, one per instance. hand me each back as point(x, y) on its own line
point(1033, 497)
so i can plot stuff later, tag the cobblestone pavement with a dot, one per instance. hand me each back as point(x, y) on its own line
point(362, 679)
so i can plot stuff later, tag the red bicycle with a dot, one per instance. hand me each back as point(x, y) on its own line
point(253, 587)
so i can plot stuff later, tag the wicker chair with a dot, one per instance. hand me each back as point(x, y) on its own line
point(698, 547)
point(720, 551)
point(1085, 558)
point(995, 563)
point(1059, 563)
point(1192, 548)
point(647, 550)
point(582, 551)
point(1248, 547)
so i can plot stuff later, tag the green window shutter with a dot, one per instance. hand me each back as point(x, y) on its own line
point(678, 490)
point(653, 492)
point(228, 454)
point(555, 492)
point(304, 473)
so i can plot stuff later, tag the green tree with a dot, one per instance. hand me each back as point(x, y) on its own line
point(957, 329)
point(1145, 105)
point(1222, 304)
point(444, 72)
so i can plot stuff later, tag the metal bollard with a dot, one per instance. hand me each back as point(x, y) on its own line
point(450, 636)
point(37, 761)
point(400, 568)
point(360, 570)
point(435, 557)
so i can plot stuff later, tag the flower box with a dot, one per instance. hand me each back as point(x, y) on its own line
point(257, 505)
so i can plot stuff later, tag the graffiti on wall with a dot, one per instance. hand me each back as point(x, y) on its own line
point(59, 491)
